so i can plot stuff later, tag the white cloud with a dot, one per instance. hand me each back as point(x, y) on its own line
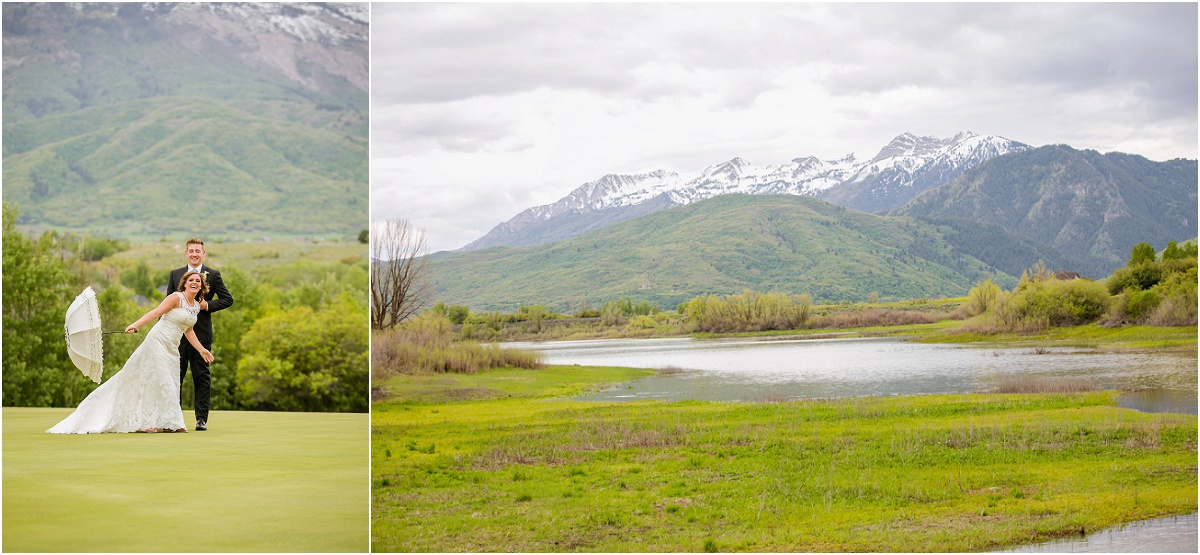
point(482, 110)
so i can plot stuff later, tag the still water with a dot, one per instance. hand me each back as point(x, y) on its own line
point(775, 369)
point(1174, 534)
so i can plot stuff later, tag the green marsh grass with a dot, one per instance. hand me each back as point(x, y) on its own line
point(1127, 338)
point(255, 482)
point(927, 473)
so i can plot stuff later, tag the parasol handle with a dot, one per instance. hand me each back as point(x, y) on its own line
point(112, 332)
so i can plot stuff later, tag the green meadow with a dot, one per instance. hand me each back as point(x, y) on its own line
point(503, 461)
point(255, 482)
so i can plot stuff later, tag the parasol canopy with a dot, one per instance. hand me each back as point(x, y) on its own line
point(84, 336)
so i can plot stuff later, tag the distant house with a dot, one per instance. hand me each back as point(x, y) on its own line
point(1065, 275)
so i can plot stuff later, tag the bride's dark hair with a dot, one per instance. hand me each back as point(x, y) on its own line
point(203, 284)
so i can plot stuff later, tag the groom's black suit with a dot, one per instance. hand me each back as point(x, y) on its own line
point(218, 298)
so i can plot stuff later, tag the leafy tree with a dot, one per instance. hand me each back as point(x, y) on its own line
point(1172, 252)
point(38, 287)
point(303, 360)
point(138, 279)
point(611, 313)
point(457, 314)
point(1156, 292)
point(1142, 253)
point(364, 236)
point(982, 297)
point(95, 249)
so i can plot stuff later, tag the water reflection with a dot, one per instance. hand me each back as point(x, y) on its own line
point(772, 369)
point(1176, 534)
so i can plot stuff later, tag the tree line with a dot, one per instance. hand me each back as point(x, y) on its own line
point(295, 338)
point(1150, 289)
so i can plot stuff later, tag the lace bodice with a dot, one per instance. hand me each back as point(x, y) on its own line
point(178, 319)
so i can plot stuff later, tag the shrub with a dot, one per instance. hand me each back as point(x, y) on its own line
point(748, 311)
point(1140, 276)
point(1052, 302)
point(1178, 305)
point(423, 346)
point(981, 298)
point(871, 317)
point(642, 322)
point(1141, 303)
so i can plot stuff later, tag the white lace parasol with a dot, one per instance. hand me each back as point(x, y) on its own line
point(83, 335)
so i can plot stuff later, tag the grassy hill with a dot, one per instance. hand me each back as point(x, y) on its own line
point(148, 120)
point(720, 246)
point(186, 166)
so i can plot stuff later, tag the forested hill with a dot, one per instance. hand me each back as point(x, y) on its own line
point(226, 120)
point(1095, 206)
point(730, 243)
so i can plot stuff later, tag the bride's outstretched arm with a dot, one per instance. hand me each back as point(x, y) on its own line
point(168, 303)
point(191, 337)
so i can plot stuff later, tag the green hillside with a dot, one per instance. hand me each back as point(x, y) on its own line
point(719, 246)
point(147, 120)
point(186, 165)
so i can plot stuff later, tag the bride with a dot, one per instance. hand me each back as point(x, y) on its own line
point(144, 395)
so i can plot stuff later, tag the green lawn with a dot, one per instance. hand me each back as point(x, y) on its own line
point(495, 467)
point(255, 482)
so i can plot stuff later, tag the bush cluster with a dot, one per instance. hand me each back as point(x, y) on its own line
point(748, 311)
point(1148, 290)
point(870, 317)
point(423, 345)
point(1153, 290)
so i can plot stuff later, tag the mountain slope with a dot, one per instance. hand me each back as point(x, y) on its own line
point(903, 168)
point(224, 120)
point(63, 57)
point(1094, 205)
point(721, 245)
point(186, 166)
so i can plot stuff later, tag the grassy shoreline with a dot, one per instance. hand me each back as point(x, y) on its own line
point(498, 461)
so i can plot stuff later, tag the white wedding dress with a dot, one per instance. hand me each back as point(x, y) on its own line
point(145, 393)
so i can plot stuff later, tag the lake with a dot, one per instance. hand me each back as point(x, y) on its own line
point(1173, 534)
point(754, 369)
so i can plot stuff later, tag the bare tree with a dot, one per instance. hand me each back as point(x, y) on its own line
point(398, 262)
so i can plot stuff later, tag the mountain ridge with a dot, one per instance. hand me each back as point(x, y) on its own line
point(904, 167)
point(1096, 205)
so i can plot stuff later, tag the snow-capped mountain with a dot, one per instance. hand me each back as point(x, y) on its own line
point(318, 48)
point(908, 165)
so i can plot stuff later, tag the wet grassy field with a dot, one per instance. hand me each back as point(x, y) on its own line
point(498, 461)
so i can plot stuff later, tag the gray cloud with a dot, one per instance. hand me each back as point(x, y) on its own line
point(527, 101)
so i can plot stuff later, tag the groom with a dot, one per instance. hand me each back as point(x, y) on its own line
point(187, 354)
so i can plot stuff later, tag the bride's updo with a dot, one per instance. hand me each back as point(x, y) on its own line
point(203, 283)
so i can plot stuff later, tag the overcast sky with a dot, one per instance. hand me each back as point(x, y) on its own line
point(479, 111)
